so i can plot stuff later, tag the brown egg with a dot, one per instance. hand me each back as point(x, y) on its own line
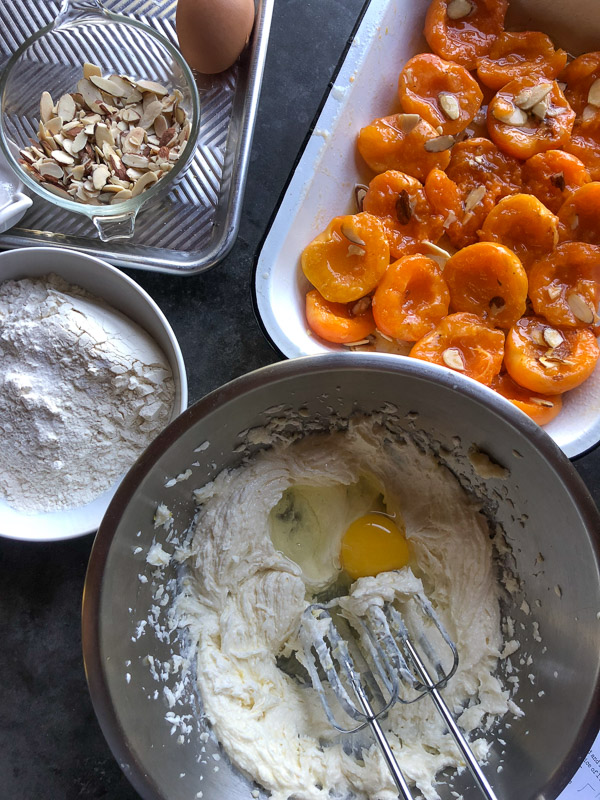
point(213, 33)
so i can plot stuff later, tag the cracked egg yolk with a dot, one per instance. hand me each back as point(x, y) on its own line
point(372, 544)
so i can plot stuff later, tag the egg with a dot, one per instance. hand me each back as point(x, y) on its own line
point(213, 33)
point(372, 544)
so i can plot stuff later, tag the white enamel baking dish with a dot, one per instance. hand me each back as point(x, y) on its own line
point(322, 184)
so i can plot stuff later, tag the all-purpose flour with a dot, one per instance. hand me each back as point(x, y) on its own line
point(83, 390)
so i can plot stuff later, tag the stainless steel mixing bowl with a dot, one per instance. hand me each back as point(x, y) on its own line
point(551, 525)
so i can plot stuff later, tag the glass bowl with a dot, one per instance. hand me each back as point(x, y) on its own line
point(52, 60)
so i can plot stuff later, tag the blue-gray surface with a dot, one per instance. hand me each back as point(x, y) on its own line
point(50, 743)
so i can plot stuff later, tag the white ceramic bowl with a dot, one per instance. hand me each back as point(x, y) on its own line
point(322, 185)
point(123, 294)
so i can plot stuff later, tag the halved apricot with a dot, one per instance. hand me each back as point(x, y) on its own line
point(441, 92)
point(529, 115)
point(401, 204)
point(483, 174)
point(444, 196)
point(487, 279)
point(584, 144)
point(552, 176)
point(412, 297)
point(580, 75)
point(464, 343)
point(464, 30)
point(540, 407)
point(524, 225)
point(403, 142)
point(579, 215)
point(547, 359)
point(564, 287)
point(341, 323)
point(348, 258)
point(513, 55)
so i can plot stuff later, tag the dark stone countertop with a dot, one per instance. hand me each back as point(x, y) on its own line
point(50, 743)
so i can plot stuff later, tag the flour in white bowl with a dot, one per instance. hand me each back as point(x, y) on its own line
point(83, 391)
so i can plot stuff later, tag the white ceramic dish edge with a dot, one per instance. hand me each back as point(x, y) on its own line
point(322, 186)
point(124, 294)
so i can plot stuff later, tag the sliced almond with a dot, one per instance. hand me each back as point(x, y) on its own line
point(553, 292)
point(527, 98)
point(58, 190)
point(436, 250)
point(46, 106)
point(593, 97)
point(355, 250)
point(50, 169)
point(27, 155)
point(136, 137)
point(152, 86)
point(77, 172)
point(449, 104)
point(458, 9)
point(133, 97)
point(541, 109)
point(91, 69)
point(549, 363)
point(91, 95)
point(474, 197)
point(537, 336)
point(151, 112)
point(79, 142)
point(54, 125)
point(130, 115)
point(589, 112)
point(439, 143)
point(552, 337)
point(112, 188)
point(65, 108)
point(542, 401)
point(108, 86)
point(513, 116)
point(408, 122)
point(124, 85)
point(104, 135)
point(126, 194)
point(160, 125)
point(100, 175)
point(453, 358)
point(67, 145)
point(349, 233)
point(179, 114)
point(62, 157)
point(143, 183)
point(362, 305)
point(134, 160)
point(580, 308)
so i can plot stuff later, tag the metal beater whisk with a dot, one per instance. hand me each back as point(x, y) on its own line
point(365, 660)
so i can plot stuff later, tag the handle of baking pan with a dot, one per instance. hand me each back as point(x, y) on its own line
point(77, 10)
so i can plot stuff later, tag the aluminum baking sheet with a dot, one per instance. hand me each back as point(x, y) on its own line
point(322, 184)
point(194, 226)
